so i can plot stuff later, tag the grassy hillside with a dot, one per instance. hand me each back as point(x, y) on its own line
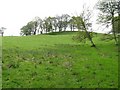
point(56, 61)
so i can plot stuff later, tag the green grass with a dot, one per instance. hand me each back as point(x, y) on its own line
point(56, 61)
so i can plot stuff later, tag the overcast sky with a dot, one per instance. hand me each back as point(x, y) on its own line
point(16, 13)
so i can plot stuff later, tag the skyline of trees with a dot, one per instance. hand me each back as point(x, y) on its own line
point(50, 24)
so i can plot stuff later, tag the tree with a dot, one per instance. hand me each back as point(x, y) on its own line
point(25, 31)
point(54, 23)
point(59, 23)
point(32, 27)
point(2, 30)
point(65, 20)
point(28, 29)
point(106, 17)
point(83, 23)
point(36, 22)
point(50, 25)
point(118, 11)
point(117, 24)
point(77, 22)
point(47, 24)
point(41, 26)
point(72, 23)
point(86, 24)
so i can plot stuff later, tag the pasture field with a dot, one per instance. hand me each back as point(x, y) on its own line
point(56, 61)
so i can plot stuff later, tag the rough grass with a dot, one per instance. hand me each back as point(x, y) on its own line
point(56, 61)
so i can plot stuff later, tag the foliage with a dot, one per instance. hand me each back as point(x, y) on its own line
point(80, 37)
point(28, 29)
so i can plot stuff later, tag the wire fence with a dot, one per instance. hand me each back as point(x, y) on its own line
point(0, 62)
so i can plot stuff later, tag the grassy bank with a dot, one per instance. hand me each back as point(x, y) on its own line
point(56, 61)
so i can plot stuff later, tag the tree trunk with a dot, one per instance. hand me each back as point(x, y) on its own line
point(113, 30)
point(55, 29)
point(64, 28)
point(2, 34)
point(73, 27)
point(60, 29)
point(90, 38)
point(119, 23)
point(41, 32)
point(34, 33)
point(119, 28)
